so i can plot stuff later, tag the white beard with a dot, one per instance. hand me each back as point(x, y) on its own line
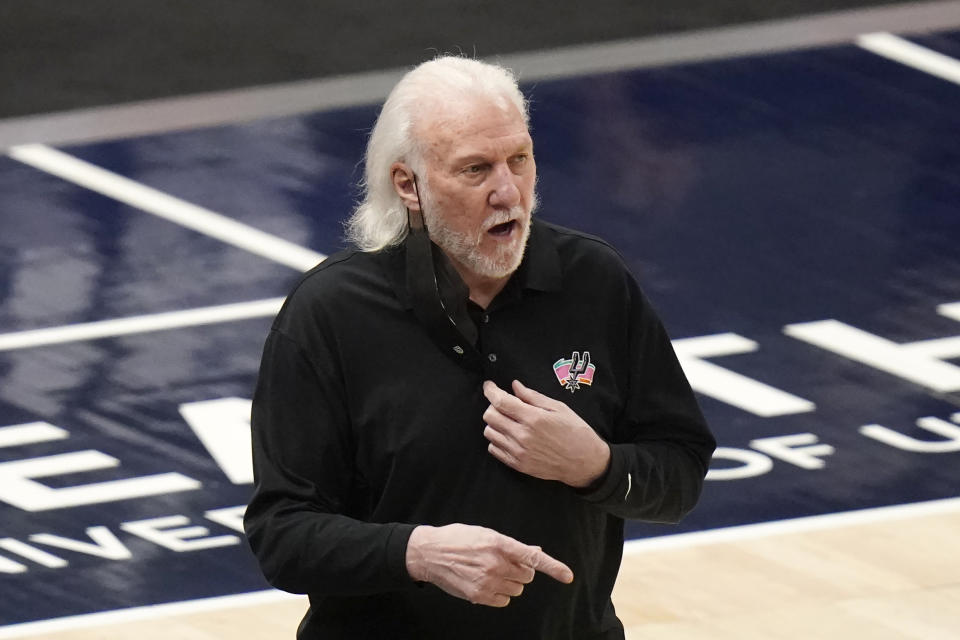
point(465, 249)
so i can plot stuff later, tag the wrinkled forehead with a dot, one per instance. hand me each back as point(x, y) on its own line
point(443, 124)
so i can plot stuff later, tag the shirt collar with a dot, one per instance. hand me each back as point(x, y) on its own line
point(539, 271)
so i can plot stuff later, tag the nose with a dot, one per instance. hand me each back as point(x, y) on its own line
point(505, 192)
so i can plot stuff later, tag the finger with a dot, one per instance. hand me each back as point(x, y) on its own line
point(497, 600)
point(499, 421)
point(498, 438)
point(553, 568)
point(510, 588)
point(520, 573)
point(488, 598)
point(533, 397)
point(491, 390)
point(535, 557)
point(506, 403)
point(503, 456)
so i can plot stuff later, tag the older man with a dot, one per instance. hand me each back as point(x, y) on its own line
point(470, 398)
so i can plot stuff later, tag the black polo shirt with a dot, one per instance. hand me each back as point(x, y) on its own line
point(366, 425)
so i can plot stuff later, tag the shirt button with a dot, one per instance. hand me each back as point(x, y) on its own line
point(486, 318)
point(458, 349)
point(492, 357)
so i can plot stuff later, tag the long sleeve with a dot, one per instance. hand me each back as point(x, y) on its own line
point(299, 522)
point(662, 446)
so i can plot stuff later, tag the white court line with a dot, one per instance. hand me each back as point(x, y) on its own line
point(913, 55)
point(940, 348)
point(153, 612)
point(307, 96)
point(30, 433)
point(140, 324)
point(794, 525)
point(166, 206)
point(679, 541)
point(950, 310)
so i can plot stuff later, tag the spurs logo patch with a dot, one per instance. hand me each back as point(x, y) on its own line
point(574, 371)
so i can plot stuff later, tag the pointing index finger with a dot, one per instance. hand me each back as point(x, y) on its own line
point(552, 567)
point(535, 558)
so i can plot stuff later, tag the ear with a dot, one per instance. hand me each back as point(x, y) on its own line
point(403, 183)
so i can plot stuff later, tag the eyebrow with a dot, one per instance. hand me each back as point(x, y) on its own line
point(470, 158)
point(475, 157)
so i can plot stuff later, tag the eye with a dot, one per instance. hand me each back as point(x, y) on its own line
point(475, 169)
point(520, 159)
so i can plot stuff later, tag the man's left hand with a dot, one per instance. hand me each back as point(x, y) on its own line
point(542, 437)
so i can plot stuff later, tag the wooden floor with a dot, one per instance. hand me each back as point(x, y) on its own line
point(892, 576)
point(883, 580)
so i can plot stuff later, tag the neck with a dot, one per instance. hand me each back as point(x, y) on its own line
point(483, 289)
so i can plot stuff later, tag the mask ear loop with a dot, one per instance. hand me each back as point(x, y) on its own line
point(428, 305)
point(415, 218)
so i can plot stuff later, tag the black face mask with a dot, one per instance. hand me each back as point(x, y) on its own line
point(438, 293)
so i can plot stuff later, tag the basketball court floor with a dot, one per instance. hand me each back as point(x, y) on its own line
point(788, 195)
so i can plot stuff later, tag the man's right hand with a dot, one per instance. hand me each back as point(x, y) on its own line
point(478, 564)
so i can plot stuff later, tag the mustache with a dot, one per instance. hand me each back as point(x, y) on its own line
point(517, 212)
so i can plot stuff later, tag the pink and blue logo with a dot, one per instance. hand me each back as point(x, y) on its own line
point(574, 371)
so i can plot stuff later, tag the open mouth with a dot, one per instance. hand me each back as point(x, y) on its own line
point(503, 229)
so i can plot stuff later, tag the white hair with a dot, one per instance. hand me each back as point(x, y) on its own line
point(380, 220)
